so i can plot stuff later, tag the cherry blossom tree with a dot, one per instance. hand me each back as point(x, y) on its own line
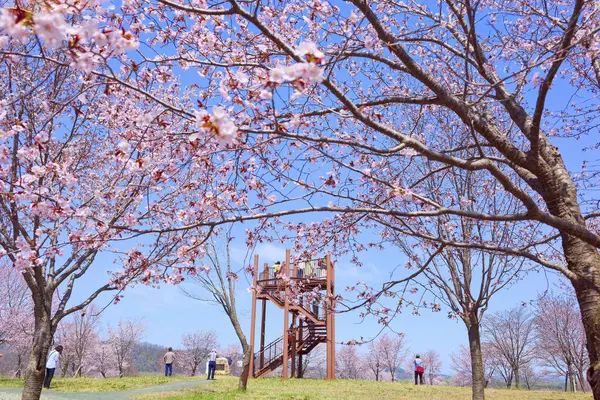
point(561, 339)
point(77, 174)
point(79, 336)
point(122, 339)
point(346, 95)
point(196, 347)
point(64, 336)
point(217, 284)
point(461, 365)
point(348, 363)
point(104, 361)
point(433, 364)
point(314, 363)
point(465, 280)
point(512, 336)
point(373, 359)
point(530, 374)
point(500, 364)
point(16, 322)
point(235, 353)
point(393, 352)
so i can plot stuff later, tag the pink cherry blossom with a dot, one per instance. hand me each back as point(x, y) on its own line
point(50, 27)
point(310, 51)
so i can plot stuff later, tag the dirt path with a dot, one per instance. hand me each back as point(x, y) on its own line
point(15, 393)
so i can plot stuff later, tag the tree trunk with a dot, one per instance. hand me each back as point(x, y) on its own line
point(19, 371)
point(194, 370)
point(516, 377)
point(478, 385)
point(581, 380)
point(588, 297)
point(36, 365)
point(245, 373)
point(560, 195)
point(571, 378)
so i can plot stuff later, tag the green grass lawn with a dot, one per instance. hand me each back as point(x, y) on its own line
point(99, 384)
point(311, 389)
point(225, 388)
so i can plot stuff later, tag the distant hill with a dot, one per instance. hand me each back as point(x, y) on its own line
point(148, 357)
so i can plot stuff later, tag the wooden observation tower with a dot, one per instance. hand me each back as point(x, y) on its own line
point(305, 293)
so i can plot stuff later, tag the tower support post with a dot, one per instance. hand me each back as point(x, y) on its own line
point(263, 322)
point(329, 320)
point(253, 319)
point(286, 316)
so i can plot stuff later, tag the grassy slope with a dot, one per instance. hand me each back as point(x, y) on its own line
point(308, 389)
point(99, 385)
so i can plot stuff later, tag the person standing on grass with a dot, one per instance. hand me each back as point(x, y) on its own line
point(419, 369)
point(212, 364)
point(169, 358)
point(51, 365)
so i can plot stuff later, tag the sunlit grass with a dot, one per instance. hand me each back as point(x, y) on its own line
point(312, 389)
point(100, 384)
point(225, 388)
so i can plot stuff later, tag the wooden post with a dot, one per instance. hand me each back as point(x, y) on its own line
point(299, 372)
point(266, 271)
point(263, 322)
point(253, 319)
point(332, 284)
point(328, 329)
point(286, 317)
point(262, 333)
point(294, 345)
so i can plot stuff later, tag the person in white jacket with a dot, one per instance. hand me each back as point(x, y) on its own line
point(419, 369)
point(53, 358)
point(212, 364)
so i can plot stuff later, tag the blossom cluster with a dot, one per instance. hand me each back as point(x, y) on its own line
point(219, 123)
point(87, 41)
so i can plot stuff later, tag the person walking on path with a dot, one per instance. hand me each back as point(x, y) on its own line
point(419, 369)
point(51, 365)
point(212, 364)
point(169, 358)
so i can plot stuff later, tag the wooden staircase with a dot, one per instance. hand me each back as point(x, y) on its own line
point(309, 315)
point(271, 357)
